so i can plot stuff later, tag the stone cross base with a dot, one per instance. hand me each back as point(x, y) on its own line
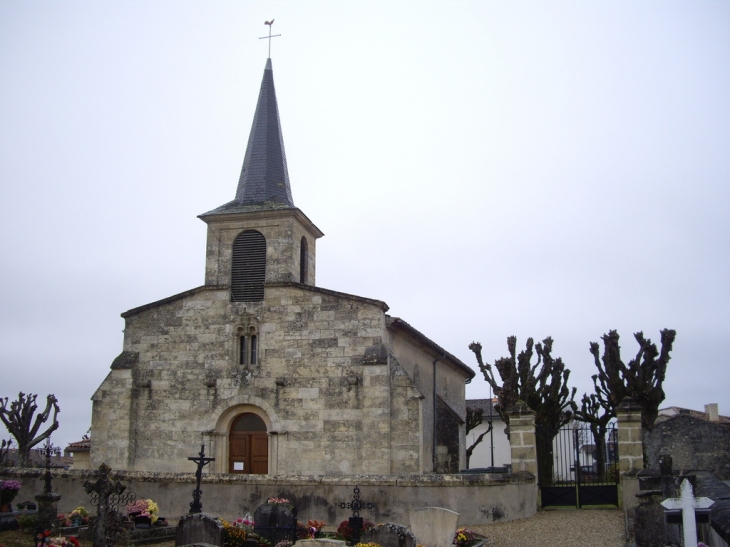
point(47, 509)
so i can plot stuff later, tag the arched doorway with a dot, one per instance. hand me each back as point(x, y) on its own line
point(248, 446)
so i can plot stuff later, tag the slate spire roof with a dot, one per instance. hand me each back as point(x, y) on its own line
point(264, 180)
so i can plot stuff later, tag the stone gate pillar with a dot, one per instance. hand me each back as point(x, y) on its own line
point(522, 438)
point(630, 450)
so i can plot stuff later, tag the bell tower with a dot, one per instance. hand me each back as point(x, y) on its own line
point(261, 236)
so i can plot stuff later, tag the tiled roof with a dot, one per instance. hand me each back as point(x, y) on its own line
point(79, 446)
point(485, 405)
point(398, 323)
point(264, 180)
point(672, 411)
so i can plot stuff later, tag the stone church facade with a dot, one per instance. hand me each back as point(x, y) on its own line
point(272, 373)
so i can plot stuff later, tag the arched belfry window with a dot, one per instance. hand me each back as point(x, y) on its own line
point(303, 261)
point(248, 267)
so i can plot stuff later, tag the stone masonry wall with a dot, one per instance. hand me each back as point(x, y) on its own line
point(479, 499)
point(693, 444)
point(329, 408)
point(283, 231)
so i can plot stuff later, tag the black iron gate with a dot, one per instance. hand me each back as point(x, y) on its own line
point(585, 469)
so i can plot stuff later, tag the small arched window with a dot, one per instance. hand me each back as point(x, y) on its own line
point(303, 261)
point(248, 346)
point(248, 267)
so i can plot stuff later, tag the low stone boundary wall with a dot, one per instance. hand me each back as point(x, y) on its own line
point(479, 499)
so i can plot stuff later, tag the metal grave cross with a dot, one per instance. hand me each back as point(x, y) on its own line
point(196, 506)
point(269, 37)
point(356, 521)
point(48, 451)
point(687, 503)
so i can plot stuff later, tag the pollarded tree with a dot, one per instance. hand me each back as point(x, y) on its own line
point(596, 410)
point(641, 379)
point(543, 386)
point(18, 418)
point(474, 418)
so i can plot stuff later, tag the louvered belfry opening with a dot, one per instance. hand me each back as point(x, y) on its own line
point(248, 270)
point(303, 262)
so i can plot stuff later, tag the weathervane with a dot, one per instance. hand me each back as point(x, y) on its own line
point(269, 37)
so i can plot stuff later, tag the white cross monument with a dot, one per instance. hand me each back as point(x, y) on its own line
point(687, 503)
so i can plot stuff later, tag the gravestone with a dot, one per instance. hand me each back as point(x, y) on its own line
point(434, 526)
point(197, 529)
point(389, 535)
point(321, 543)
point(688, 505)
point(649, 520)
point(276, 522)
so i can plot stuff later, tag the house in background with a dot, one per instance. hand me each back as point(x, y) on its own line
point(695, 440)
point(711, 414)
point(496, 442)
point(78, 454)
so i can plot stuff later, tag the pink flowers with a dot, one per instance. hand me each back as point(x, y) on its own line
point(278, 501)
point(143, 508)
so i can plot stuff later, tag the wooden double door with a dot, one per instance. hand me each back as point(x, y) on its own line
point(248, 446)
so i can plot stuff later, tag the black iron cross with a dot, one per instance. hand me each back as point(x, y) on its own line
point(269, 37)
point(356, 521)
point(196, 506)
point(49, 451)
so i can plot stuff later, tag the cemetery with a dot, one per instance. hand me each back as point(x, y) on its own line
point(663, 505)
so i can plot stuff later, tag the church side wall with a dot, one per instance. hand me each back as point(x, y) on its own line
point(417, 362)
point(326, 409)
point(479, 499)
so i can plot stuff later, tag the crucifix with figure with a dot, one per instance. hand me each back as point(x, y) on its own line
point(269, 37)
point(196, 506)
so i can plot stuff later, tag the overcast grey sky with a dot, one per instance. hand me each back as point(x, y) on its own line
point(485, 168)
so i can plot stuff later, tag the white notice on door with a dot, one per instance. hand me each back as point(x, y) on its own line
point(238, 466)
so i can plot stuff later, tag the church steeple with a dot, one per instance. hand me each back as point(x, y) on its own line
point(264, 176)
point(260, 237)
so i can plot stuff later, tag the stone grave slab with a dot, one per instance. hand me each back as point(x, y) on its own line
point(321, 543)
point(199, 528)
point(434, 526)
point(389, 534)
point(275, 522)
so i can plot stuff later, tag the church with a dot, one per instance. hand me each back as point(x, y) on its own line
point(271, 373)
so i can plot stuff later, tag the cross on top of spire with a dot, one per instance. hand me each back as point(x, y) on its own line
point(269, 37)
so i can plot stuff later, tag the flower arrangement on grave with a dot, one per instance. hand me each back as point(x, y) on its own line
point(143, 508)
point(62, 521)
point(44, 539)
point(278, 501)
point(79, 516)
point(233, 536)
point(371, 544)
point(8, 491)
point(284, 543)
point(463, 537)
point(60, 541)
point(344, 531)
point(246, 523)
point(314, 528)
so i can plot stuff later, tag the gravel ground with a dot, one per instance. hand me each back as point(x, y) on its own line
point(559, 528)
